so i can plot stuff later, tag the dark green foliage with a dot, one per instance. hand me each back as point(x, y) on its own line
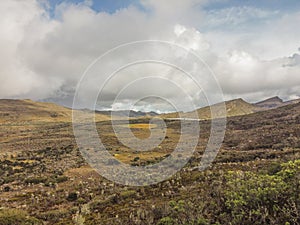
point(274, 168)
point(6, 189)
point(136, 159)
point(72, 196)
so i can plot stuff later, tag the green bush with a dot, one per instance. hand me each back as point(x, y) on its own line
point(262, 198)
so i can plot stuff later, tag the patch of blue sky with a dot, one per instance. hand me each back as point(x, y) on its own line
point(275, 5)
point(109, 6)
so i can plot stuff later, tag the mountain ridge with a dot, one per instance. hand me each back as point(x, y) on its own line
point(26, 110)
point(274, 102)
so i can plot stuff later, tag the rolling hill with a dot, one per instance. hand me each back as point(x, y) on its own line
point(234, 107)
point(28, 110)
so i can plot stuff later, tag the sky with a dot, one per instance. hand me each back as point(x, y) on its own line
point(248, 49)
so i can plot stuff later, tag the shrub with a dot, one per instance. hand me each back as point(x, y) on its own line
point(262, 198)
point(136, 159)
point(166, 221)
point(274, 168)
point(72, 196)
point(35, 180)
point(61, 179)
point(54, 215)
point(128, 194)
point(17, 217)
point(202, 221)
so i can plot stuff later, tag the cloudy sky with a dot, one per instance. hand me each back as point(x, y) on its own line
point(251, 47)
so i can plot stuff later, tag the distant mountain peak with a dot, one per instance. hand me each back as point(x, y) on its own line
point(270, 103)
point(239, 100)
point(273, 99)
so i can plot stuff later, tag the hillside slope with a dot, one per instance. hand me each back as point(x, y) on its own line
point(270, 103)
point(27, 110)
point(234, 107)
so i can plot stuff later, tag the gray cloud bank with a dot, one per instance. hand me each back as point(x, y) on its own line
point(44, 57)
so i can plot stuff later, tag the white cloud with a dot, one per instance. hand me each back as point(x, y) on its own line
point(44, 57)
point(270, 38)
point(252, 78)
point(234, 16)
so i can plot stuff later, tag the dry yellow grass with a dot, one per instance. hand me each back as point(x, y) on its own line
point(234, 107)
point(12, 111)
point(140, 125)
point(129, 157)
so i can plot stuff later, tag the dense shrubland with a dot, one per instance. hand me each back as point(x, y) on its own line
point(270, 196)
point(267, 196)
